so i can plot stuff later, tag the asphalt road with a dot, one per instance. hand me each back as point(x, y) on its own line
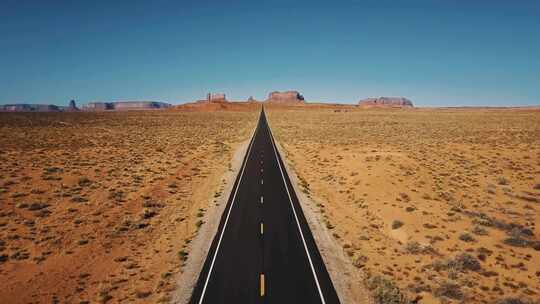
point(263, 251)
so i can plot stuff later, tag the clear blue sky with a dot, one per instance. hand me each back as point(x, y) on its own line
point(469, 52)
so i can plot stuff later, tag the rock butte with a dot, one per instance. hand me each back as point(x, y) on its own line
point(214, 97)
point(400, 102)
point(285, 97)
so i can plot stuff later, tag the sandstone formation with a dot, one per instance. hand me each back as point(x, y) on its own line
point(72, 106)
point(285, 97)
point(28, 107)
point(214, 97)
point(217, 97)
point(125, 106)
point(98, 106)
point(390, 102)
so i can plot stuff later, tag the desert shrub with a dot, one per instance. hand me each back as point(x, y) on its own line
point(429, 226)
point(396, 224)
point(516, 241)
point(386, 292)
point(479, 230)
point(449, 290)
point(405, 197)
point(467, 262)
point(183, 255)
point(513, 301)
point(37, 206)
point(466, 237)
point(141, 294)
point(148, 213)
point(459, 263)
point(502, 181)
point(361, 261)
point(79, 199)
point(413, 247)
point(22, 205)
point(84, 181)
point(519, 231)
point(152, 204)
point(3, 258)
point(51, 170)
point(117, 196)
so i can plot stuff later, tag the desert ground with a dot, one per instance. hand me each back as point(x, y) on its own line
point(429, 205)
point(102, 207)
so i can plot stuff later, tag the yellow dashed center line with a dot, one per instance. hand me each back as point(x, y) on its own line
point(262, 228)
point(262, 284)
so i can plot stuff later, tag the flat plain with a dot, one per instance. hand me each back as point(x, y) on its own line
point(430, 205)
point(102, 207)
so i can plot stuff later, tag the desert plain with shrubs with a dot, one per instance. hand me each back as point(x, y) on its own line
point(102, 207)
point(430, 205)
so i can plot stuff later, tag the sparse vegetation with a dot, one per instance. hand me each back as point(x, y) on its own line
point(86, 194)
point(396, 224)
point(386, 292)
point(466, 237)
point(464, 182)
point(449, 290)
point(460, 263)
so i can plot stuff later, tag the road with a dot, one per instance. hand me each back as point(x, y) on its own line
point(263, 251)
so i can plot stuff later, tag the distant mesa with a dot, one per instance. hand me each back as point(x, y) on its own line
point(26, 107)
point(29, 107)
point(214, 97)
point(125, 105)
point(251, 99)
point(285, 97)
point(386, 102)
point(92, 106)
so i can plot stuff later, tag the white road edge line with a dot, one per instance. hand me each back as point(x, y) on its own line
point(228, 214)
point(296, 217)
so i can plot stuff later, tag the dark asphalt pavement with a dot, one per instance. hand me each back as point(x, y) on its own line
point(264, 251)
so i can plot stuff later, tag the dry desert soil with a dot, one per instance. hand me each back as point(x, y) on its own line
point(424, 205)
point(102, 207)
point(429, 205)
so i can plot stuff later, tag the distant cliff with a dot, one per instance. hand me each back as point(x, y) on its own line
point(30, 107)
point(286, 97)
point(391, 102)
point(125, 105)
